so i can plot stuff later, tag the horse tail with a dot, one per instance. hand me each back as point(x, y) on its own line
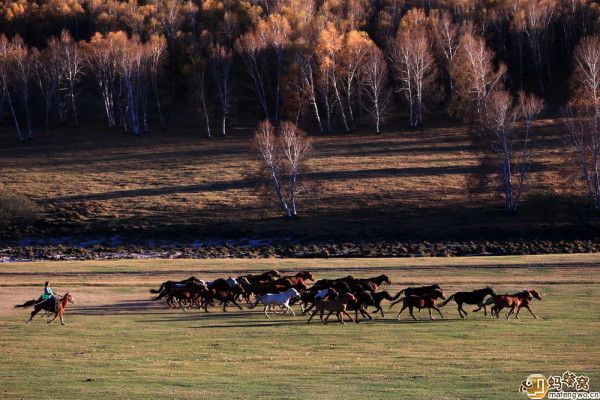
point(446, 302)
point(26, 304)
point(397, 294)
point(393, 303)
point(160, 289)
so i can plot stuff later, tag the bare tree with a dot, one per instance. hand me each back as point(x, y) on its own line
point(21, 63)
point(283, 157)
point(265, 142)
point(156, 51)
point(510, 141)
point(474, 76)
point(375, 85)
point(102, 55)
point(221, 62)
point(6, 81)
point(415, 70)
point(296, 148)
point(71, 65)
point(445, 37)
point(582, 122)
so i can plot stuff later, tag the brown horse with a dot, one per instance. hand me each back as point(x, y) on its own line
point(337, 306)
point(526, 303)
point(262, 288)
point(509, 301)
point(52, 305)
point(265, 276)
point(300, 277)
point(420, 302)
point(375, 281)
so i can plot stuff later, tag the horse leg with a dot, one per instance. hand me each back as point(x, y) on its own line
point(463, 310)
point(410, 310)
point(365, 314)
point(344, 311)
point(311, 317)
point(512, 309)
point(62, 321)
point(341, 318)
point(52, 320)
point(430, 316)
point(237, 305)
point(35, 311)
point(460, 311)
point(381, 311)
point(266, 307)
point(438, 310)
point(403, 308)
point(291, 309)
point(534, 316)
point(327, 317)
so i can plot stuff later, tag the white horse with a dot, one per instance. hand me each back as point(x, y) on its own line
point(277, 299)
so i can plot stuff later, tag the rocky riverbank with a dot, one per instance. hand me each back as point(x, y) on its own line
point(32, 250)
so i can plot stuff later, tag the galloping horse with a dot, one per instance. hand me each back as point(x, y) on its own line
point(510, 301)
point(277, 299)
point(300, 277)
point(52, 305)
point(474, 297)
point(526, 301)
point(426, 301)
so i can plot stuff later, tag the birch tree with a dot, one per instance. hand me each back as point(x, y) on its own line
point(375, 85)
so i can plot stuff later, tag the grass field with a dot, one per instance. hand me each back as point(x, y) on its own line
point(121, 345)
point(405, 184)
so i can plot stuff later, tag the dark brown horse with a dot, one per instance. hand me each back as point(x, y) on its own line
point(51, 304)
point(376, 281)
point(378, 297)
point(265, 276)
point(420, 302)
point(417, 291)
point(224, 296)
point(474, 297)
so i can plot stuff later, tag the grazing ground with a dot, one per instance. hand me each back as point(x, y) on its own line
point(119, 344)
point(403, 184)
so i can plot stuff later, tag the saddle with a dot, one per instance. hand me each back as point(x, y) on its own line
point(47, 303)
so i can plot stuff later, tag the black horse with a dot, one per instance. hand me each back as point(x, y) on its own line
point(474, 297)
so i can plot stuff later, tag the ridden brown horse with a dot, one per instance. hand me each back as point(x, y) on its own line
point(337, 306)
point(52, 304)
point(420, 302)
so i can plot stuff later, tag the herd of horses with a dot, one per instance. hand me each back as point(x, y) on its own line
point(362, 296)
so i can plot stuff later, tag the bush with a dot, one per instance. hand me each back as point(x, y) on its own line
point(17, 210)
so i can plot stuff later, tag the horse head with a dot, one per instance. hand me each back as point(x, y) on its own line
point(438, 294)
point(68, 297)
point(306, 275)
point(535, 294)
point(489, 290)
point(386, 279)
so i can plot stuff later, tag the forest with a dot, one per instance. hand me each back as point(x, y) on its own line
point(503, 70)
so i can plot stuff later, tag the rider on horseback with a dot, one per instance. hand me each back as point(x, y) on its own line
point(46, 294)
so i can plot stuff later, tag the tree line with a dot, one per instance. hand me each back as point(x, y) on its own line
point(321, 64)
